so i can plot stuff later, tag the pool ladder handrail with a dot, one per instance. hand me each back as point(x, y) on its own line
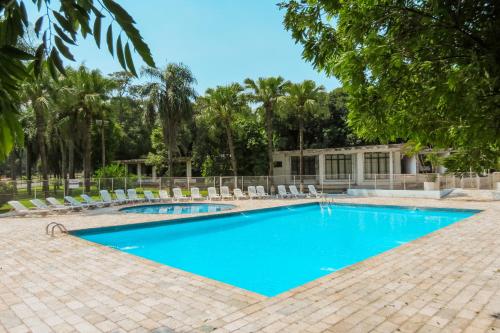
point(55, 225)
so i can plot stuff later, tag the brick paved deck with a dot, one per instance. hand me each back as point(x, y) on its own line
point(448, 281)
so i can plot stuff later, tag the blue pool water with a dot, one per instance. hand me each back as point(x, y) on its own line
point(271, 251)
point(177, 208)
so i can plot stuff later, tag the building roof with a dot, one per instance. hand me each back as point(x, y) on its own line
point(396, 146)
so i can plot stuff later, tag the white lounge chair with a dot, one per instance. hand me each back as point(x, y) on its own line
point(282, 193)
point(212, 194)
point(107, 199)
point(132, 195)
point(252, 193)
point(22, 210)
point(150, 197)
point(164, 196)
point(314, 193)
point(91, 202)
point(295, 192)
point(262, 192)
point(225, 194)
point(53, 202)
point(195, 194)
point(75, 204)
point(238, 194)
point(43, 206)
point(178, 195)
point(122, 197)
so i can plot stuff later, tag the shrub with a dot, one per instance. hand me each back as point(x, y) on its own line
point(6, 192)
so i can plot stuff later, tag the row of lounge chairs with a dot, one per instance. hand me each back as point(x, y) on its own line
point(52, 205)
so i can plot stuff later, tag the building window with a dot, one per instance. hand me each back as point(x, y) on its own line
point(376, 164)
point(278, 164)
point(338, 166)
point(310, 163)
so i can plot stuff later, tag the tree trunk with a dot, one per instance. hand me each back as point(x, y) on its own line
point(269, 132)
point(64, 173)
point(169, 140)
point(87, 155)
point(28, 167)
point(42, 149)
point(301, 158)
point(103, 145)
point(71, 159)
point(234, 163)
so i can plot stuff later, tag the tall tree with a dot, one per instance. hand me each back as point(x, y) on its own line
point(303, 101)
point(266, 91)
point(172, 92)
point(37, 97)
point(58, 28)
point(425, 71)
point(223, 105)
point(89, 91)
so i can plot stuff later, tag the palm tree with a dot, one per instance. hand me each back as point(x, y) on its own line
point(222, 105)
point(303, 101)
point(171, 92)
point(89, 91)
point(266, 91)
point(37, 97)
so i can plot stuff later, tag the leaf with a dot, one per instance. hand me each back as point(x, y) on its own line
point(39, 59)
point(97, 31)
point(120, 13)
point(109, 39)
point(38, 25)
point(128, 58)
point(63, 48)
point(64, 22)
point(24, 14)
point(61, 34)
point(54, 57)
point(52, 69)
point(16, 53)
point(119, 52)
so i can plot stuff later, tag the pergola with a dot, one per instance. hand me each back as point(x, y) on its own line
point(139, 162)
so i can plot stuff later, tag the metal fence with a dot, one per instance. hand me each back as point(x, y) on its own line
point(24, 189)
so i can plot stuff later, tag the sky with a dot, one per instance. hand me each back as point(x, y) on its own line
point(221, 41)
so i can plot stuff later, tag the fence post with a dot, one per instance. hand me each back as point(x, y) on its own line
point(112, 184)
point(267, 184)
point(294, 180)
point(125, 183)
point(375, 181)
point(404, 182)
point(188, 184)
point(349, 182)
point(98, 184)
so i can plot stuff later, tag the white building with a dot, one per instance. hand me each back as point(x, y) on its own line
point(360, 165)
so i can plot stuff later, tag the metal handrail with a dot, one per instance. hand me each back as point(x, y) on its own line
point(55, 225)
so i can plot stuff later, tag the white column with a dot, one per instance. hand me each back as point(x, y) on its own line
point(139, 171)
point(153, 172)
point(321, 161)
point(188, 168)
point(360, 168)
point(391, 169)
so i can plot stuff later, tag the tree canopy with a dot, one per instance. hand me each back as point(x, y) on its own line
point(56, 30)
point(426, 71)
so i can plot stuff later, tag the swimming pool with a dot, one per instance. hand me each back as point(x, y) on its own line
point(177, 208)
point(273, 250)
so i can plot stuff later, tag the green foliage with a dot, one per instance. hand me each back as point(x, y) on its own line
point(170, 93)
point(224, 106)
point(111, 171)
point(57, 31)
point(476, 159)
point(6, 192)
point(426, 71)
